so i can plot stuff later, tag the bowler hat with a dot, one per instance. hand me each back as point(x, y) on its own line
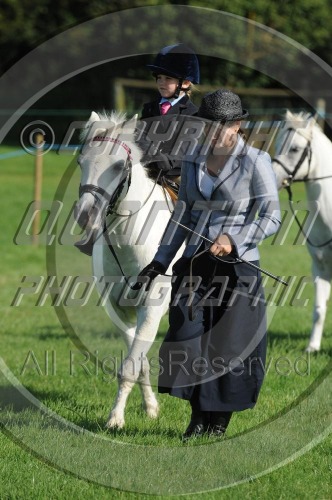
point(222, 105)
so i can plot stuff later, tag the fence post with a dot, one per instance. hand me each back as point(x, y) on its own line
point(38, 187)
point(321, 112)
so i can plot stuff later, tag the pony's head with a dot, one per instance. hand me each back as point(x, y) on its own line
point(106, 158)
point(293, 148)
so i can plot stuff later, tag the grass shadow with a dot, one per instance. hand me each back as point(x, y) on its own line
point(13, 400)
point(276, 335)
point(50, 332)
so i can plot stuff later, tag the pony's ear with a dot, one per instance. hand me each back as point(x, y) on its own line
point(94, 117)
point(313, 120)
point(94, 126)
point(289, 115)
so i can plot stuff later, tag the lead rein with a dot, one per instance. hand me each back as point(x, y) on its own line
point(238, 259)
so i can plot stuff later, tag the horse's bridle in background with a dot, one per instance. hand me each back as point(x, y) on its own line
point(291, 174)
point(307, 152)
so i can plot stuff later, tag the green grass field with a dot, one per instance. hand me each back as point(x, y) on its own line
point(55, 395)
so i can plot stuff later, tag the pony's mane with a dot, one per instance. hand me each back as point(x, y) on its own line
point(111, 120)
point(116, 117)
point(299, 118)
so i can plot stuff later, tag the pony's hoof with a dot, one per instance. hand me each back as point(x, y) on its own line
point(152, 411)
point(115, 423)
point(311, 349)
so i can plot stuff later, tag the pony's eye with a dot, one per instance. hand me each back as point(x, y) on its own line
point(294, 149)
point(118, 165)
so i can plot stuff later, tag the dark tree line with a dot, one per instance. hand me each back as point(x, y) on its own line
point(25, 26)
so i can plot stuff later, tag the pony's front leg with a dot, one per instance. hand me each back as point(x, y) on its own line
point(116, 418)
point(150, 403)
point(136, 366)
point(322, 294)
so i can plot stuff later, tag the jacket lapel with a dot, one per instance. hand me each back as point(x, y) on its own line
point(229, 169)
point(181, 107)
point(199, 162)
point(232, 165)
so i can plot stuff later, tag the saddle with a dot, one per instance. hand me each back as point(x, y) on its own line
point(170, 183)
point(170, 186)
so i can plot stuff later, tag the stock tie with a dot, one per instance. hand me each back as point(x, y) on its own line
point(164, 107)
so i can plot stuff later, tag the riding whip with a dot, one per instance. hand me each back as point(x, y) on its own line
point(237, 259)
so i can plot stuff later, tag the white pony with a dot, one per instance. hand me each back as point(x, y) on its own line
point(304, 153)
point(127, 213)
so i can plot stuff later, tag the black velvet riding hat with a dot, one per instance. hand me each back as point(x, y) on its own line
point(179, 61)
point(222, 105)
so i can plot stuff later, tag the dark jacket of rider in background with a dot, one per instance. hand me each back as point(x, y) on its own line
point(163, 137)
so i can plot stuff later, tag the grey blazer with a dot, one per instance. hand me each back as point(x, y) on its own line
point(244, 204)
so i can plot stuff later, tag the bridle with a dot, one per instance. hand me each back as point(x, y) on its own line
point(94, 189)
point(287, 183)
point(112, 200)
point(307, 152)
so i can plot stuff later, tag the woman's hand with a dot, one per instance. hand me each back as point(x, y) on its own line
point(221, 246)
point(149, 273)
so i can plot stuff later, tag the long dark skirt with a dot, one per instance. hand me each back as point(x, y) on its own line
point(215, 349)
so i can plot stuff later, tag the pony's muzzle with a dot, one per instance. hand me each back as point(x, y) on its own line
point(85, 214)
point(81, 216)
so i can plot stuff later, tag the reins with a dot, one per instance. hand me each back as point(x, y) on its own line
point(106, 234)
point(290, 200)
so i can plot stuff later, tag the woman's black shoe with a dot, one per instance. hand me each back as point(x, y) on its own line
point(219, 421)
point(216, 430)
point(194, 430)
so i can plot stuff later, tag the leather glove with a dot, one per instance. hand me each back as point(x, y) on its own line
point(151, 271)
